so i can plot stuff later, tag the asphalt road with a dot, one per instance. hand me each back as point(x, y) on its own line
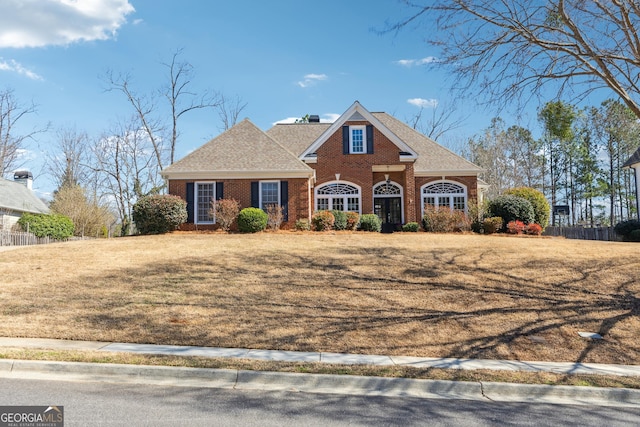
point(108, 404)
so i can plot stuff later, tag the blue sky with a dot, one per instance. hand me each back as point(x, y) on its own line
point(283, 58)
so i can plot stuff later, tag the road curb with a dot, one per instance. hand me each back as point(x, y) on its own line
point(317, 383)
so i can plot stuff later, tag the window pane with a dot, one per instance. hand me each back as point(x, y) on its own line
point(458, 203)
point(323, 204)
point(205, 196)
point(338, 204)
point(353, 204)
point(444, 201)
point(269, 194)
point(357, 141)
point(429, 201)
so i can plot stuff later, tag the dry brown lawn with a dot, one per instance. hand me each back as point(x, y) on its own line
point(403, 294)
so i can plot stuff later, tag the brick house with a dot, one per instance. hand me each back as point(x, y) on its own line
point(364, 162)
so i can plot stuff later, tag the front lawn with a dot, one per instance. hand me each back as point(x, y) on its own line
point(416, 294)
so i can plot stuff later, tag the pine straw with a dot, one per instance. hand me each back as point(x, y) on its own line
point(415, 294)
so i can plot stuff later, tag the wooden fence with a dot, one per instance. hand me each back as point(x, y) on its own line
point(19, 238)
point(583, 233)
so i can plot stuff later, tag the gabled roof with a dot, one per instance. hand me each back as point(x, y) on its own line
point(297, 137)
point(362, 113)
point(433, 159)
point(244, 151)
point(634, 159)
point(16, 197)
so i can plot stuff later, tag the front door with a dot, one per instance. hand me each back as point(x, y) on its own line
point(388, 209)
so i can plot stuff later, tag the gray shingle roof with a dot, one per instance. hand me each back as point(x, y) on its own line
point(432, 157)
point(635, 158)
point(242, 149)
point(16, 197)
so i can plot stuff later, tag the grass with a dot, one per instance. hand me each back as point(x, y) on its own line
point(416, 294)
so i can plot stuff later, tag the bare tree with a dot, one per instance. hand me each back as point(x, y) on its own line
point(12, 141)
point(507, 50)
point(229, 111)
point(181, 99)
point(440, 122)
point(68, 163)
point(146, 111)
point(125, 168)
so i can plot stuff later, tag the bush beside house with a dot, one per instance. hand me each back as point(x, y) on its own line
point(56, 226)
point(252, 220)
point(158, 214)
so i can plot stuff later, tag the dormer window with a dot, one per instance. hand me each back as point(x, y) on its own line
point(357, 138)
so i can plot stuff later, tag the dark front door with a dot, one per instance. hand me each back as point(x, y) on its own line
point(388, 209)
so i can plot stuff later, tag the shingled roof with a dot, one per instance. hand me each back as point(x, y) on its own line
point(433, 158)
point(16, 197)
point(244, 151)
point(297, 137)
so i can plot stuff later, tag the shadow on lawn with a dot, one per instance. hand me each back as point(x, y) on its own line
point(429, 303)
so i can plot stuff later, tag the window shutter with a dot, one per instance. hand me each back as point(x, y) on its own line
point(345, 139)
point(219, 190)
point(284, 200)
point(370, 139)
point(255, 194)
point(190, 204)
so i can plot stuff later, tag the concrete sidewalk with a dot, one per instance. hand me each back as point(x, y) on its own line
point(316, 383)
point(332, 358)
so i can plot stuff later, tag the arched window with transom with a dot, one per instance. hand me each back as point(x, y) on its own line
point(388, 202)
point(449, 194)
point(338, 195)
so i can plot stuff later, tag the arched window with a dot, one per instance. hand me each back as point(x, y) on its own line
point(390, 190)
point(338, 195)
point(444, 194)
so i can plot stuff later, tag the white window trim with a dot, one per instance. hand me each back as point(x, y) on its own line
point(344, 196)
point(388, 196)
point(364, 139)
point(196, 202)
point(260, 191)
point(464, 194)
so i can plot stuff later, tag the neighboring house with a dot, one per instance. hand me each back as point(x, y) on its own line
point(634, 163)
point(16, 198)
point(363, 162)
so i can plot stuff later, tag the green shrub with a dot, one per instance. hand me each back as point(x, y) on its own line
point(444, 220)
point(412, 227)
point(541, 207)
point(512, 208)
point(492, 225)
point(252, 220)
point(58, 227)
point(634, 236)
point(303, 224)
point(627, 229)
point(370, 222)
point(157, 214)
point(353, 218)
point(340, 220)
point(322, 221)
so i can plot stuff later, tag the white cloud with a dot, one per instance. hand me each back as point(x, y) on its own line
point(37, 23)
point(16, 67)
point(312, 79)
point(416, 62)
point(423, 103)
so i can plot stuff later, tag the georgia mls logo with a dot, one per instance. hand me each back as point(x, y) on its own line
point(31, 416)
